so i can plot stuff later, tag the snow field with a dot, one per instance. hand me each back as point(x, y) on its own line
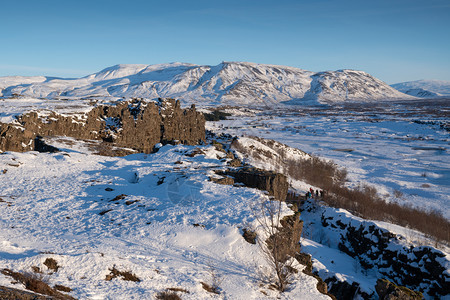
point(172, 227)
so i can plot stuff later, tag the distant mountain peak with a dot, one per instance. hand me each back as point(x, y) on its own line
point(424, 88)
point(235, 83)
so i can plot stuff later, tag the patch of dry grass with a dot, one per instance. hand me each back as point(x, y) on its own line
point(35, 283)
point(125, 275)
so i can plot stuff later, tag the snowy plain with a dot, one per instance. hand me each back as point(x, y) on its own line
point(169, 225)
point(400, 148)
point(51, 203)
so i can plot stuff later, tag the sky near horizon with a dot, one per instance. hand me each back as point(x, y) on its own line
point(395, 40)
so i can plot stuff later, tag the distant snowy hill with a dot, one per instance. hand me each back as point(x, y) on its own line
point(424, 88)
point(227, 83)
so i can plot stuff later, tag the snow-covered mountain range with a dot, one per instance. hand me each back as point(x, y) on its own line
point(227, 83)
point(424, 88)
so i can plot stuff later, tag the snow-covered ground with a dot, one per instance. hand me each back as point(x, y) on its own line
point(60, 205)
point(155, 215)
point(401, 150)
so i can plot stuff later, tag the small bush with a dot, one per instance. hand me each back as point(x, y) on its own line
point(210, 288)
point(166, 295)
point(398, 194)
point(249, 236)
point(35, 283)
point(63, 288)
point(126, 275)
point(51, 264)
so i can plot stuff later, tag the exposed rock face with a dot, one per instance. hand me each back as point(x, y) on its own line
point(15, 138)
point(291, 232)
point(386, 290)
point(421, 268)
point(224, 180)
point(275, 184)
point(134, 124)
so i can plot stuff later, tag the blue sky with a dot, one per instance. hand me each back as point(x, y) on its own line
point(396, 40)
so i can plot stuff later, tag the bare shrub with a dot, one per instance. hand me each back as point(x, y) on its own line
point(215, 280)
point(63, 288)
point(365, 202)
point(166, 295)
point(126, 275)
point(210, 288)
point(51, 264)
point(249, 235)
point(35, 283)
point(36, 269)
point(279, 248)
point(398, 194)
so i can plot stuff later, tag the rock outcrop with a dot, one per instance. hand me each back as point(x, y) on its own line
point(421, 268)
point(386, 290)
point(134, 124)
point(275, 184)
point(16, 138)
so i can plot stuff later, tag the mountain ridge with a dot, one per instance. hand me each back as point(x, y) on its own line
point(241, 83)
point(424, 88)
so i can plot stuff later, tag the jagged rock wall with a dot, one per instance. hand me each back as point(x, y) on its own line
point(421, 268)
point(15, 138)
point(133, 124)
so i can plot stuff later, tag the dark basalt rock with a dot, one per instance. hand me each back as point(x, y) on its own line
point(133, 124)
point(16, 138)
point(275, 184)
point(419, 268)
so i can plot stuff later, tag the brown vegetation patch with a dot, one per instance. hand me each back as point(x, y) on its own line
point(118, 197)
point(36, 269)
point(129, 202)
point(52, 264)
point(166, 295)
point(126, 275)
point(249, 236)
point(35, 283)
point(104, 212)
point(63, 288)
point(210, 288)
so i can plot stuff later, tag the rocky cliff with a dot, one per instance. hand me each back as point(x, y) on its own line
point(275, 184)
point(133, 124)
